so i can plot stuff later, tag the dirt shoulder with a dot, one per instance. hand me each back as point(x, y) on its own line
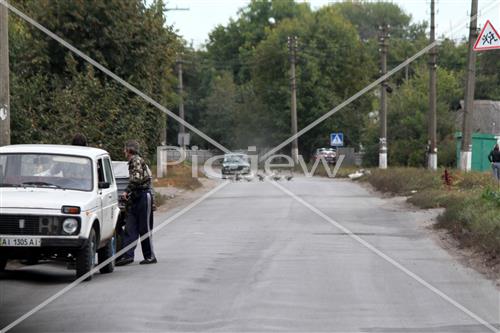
point(178, 197)
point(467, 256)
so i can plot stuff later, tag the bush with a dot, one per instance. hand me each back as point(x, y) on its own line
point(403, 181)
point(472, 180)
point(474, 221)
point(436, 198)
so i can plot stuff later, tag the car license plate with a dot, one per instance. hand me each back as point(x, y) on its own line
point(20, 241)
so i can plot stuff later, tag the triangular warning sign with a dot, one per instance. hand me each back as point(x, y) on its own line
point(488, 39)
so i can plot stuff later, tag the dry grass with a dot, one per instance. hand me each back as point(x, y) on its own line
point(404, 181)
point(179, 176)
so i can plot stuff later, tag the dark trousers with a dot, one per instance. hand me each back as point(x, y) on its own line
point(139, 223)
point(496, 170)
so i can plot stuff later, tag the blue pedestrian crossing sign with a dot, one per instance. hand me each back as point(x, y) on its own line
point(336, 139)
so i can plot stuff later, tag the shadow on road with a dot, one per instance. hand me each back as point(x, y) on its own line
point(50, 273)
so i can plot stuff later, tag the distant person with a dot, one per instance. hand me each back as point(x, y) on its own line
point(139, 220)
point(494, 158)
point(79, 140)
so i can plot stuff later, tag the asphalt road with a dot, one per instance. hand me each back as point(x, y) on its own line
point(251, 258)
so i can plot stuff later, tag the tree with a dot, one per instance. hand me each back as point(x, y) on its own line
point(407, 121)
point(57, 94)
point(219, 119)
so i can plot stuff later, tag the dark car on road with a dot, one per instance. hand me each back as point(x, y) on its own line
point(235, 163)
point(329, 154)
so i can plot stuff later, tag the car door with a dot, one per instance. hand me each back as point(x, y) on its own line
point(110, 197)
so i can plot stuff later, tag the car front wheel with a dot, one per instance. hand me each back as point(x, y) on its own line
point(85, 260)
point(3, 262)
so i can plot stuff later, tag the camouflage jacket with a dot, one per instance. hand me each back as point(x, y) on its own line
point(139, 175)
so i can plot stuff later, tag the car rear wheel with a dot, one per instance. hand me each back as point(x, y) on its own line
point(105, 253)
point(85, 260)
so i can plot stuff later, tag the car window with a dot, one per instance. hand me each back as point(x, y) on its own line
point(100, 171)
point(108, 173)
point(236, 158)
point(46, 170)
point(3, 165)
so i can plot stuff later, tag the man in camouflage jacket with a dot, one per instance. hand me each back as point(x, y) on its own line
point(139, 220)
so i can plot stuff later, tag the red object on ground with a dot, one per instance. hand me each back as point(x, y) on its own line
point(447, 178)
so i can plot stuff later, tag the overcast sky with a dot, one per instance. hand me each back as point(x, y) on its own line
point(203, 15)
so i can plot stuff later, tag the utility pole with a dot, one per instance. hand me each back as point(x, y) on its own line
point(470, 81)
point(432, 157)
point(163, 136)
point(181, 102)
point(384, 45)
point(4, 77)
point(292, 46)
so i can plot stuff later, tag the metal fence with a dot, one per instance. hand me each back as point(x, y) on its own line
point(169, 155)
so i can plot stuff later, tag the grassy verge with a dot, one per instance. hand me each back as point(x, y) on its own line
point(160, 199)
point(471, 202)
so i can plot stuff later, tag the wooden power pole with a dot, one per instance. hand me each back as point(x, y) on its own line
point(4, 78)
point(182, 130)
point(292, 46)
point(384, 45)
point(432, 157)
point(470, 81)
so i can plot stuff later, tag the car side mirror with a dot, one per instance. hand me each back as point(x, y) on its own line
point(102, 185)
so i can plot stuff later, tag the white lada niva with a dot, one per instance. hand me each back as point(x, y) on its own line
point(57, 203)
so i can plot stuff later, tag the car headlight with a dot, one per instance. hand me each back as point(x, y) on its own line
point(70, 225)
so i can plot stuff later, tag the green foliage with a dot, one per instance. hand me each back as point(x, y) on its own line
point(491, 195)
point(219, 120)
point(55, 94)
point(488, 75)
point(332, 65)
point(337, 56)
point(407, 120)
point(475, 221)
